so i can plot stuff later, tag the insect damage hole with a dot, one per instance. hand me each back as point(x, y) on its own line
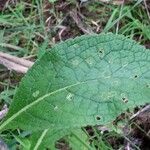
point(70, 97)
point(98, 118)
point(135, 76)
point(148, 85)
point(101, 53)
point(124, 99)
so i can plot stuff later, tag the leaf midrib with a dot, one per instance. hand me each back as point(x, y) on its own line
point(39, 100)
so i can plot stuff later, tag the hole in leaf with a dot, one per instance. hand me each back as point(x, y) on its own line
point(148, 85)
point(70, 96)
point(101, 53)
point(125, 100)
point(98, 118)
point(135, 76)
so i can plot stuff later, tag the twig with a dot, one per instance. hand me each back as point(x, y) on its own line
point(3, 112)
point(142, 111)
point(11, 46)
point(14, 63)
point(148, 14)
point(81, 25)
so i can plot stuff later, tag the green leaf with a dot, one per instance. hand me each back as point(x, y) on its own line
point(25, 143)
point(47, 138)
point(88, 80)
point(79, 140)
point(52, 1)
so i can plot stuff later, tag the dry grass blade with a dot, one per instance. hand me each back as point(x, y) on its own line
point(81, 25)
point(116, 2)
point(2, 4)
point(141, 112)
point(3, 112)
point(14, 63)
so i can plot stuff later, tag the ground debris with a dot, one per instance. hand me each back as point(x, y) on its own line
point(137, 132)
point(20, 65)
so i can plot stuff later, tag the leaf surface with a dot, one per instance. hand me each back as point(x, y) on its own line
point(46, 138)
point(88, 80)
point(78, 139)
